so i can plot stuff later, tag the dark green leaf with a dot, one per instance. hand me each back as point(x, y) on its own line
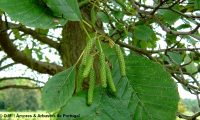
point(197, 4)
point(33, 13)
point(190, 39)
point(147, 93)
point(58, 90)
point(17, 34)
point(170, 38)
point(190, 68)
point(155, 93)
point(183, 26)
point(176, 57)
point(168, 16)
point(68, 9)
point(93, 16)
point(104, 106)
point(103, 17)
point(118, 14)
point(143, 32)
point(42, 31)
point(28, 51)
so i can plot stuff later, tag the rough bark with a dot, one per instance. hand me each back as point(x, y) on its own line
point(74, 38)
point(72, 43)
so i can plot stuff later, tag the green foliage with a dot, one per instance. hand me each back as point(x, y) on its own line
point(2, 105)
point(183, 26)
point(167, 16)
point(58, 90)
point(67, 9)
point(190, 68)
point(135, 98)
point(143, 32)
point(144, 36)
point(143, 90)
point(170, 39)
point(175, 56)
point(18, 99)
point(153, 90)
point(36, 13)
point(197, 5)
point(104, 17)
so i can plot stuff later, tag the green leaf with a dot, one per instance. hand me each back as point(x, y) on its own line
point(147, 93)
point(28, 51)
point(33, 13)
point(197, 4)
point(190, 39)
point(155, 93)
point(103, 17)
point(190, 68)
point(68, 9)
point(93, 15)
point(170, 38)
point(183, 26)
point(143, 32)
point(58, 90)
point(118, 14)
point(175, 56)
point(17, 34)
point(104, 106)
point(168, 16)
point(42, 31)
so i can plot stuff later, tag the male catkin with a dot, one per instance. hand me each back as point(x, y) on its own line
point(121, 60)
point(80, 78)
point(110, 79)
point(87, 50)
point(88, 66)
point(91, 87)
point(102, 70)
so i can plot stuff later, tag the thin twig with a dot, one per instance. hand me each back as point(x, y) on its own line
point(19, 87)
point(20, 78)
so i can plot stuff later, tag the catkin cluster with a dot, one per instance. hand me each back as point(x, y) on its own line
point(86, 68)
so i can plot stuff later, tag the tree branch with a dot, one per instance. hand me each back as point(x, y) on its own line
point(3, 59)
point(20, 78)
point(20, 57)
point(193, 117)
point(165, 28)
point(159, 5)
point(137, 5)
point(138, 50)
point(35, 35)
point(174, 49)
point(7, 66)
point(19, 87)
point(185, 83)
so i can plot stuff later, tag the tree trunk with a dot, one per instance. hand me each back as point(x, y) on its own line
point(72, 43)
point(74, 39)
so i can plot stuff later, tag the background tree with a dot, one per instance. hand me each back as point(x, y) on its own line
point(14, 99)
point(138, 26)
